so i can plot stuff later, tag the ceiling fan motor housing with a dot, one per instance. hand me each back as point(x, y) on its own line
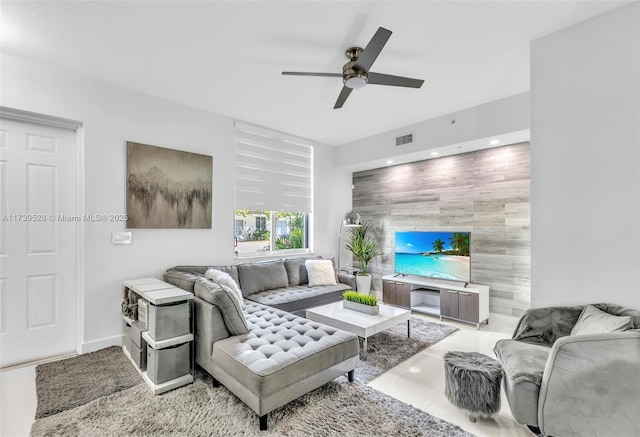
point(354, 77)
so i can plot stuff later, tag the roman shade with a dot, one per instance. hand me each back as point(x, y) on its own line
point(274, 171)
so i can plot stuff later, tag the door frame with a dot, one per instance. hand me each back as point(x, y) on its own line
point(78, 127)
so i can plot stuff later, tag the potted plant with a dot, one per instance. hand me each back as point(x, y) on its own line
point(352, 300)
point(365, 249)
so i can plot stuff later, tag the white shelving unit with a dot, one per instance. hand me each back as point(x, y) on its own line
point(158, 293)
point(425, 301)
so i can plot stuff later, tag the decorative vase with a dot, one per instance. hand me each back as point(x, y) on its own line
point(363, 283)
point(360, 307)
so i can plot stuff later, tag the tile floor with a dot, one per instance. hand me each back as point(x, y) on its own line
point(418, 381)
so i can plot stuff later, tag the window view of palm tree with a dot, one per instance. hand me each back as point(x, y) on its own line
point(292, 236)
point(265, 231)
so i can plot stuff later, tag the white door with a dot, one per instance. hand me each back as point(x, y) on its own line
point(37, 248)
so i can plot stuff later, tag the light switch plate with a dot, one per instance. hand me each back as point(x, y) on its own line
point(121, 238)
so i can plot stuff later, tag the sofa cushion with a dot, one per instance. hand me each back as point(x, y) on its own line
point(320, 272)
point(260, 276)
point(226, 301)
point(297, 271)
point(523, 365)
point(184, 280)
point(618, 310)
point(595, 321)
point(299, 297)
point(224, 279)
point(281, 350)
point(522, 361)
point(200, 270)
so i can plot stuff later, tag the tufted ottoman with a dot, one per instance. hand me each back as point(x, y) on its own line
point(283, 357)
point(472, 382)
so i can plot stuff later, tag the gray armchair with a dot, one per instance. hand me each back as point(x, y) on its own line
point(573, 385)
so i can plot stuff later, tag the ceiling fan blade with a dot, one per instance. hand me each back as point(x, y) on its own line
point(301, 73)
point(388, 79)
point(373, 49)
point(342, 97)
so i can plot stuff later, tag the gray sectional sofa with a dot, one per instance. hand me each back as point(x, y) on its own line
point(264, 355)
point(572, 384)
point(280, 283)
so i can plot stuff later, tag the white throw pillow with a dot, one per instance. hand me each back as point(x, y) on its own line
point(225, 279)
point(595, 321)
point(320, 272)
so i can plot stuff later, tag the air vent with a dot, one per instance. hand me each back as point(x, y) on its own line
point(404, 139)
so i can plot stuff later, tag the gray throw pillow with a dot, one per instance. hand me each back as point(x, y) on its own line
point(595, 321)
point(224, 298)
point(260, 276)
point(297, 271)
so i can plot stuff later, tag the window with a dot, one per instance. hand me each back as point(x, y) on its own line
point(273, 194)
point(289, 231)
point(261, 224)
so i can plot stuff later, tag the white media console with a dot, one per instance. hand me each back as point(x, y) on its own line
point(449, 299)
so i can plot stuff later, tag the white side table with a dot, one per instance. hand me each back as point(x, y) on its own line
point(163, 332)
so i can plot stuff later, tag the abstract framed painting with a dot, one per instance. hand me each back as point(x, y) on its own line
point(168, 188)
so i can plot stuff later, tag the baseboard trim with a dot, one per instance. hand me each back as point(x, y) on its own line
point(96, 345)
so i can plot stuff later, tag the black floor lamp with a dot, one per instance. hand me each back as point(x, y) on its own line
point(351, 219)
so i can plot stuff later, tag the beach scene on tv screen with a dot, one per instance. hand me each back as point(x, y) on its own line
point(442, 255)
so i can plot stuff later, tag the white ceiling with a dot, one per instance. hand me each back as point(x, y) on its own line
point(226, 57)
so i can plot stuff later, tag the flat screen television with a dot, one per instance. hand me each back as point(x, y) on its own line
point(434, 254)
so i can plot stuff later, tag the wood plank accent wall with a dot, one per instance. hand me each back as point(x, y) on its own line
point(486, 192)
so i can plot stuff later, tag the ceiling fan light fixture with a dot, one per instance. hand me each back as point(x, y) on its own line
point(355, 81)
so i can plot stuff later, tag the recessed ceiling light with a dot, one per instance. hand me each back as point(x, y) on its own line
point(494, 142)
point(389, 162)
point(434, 153)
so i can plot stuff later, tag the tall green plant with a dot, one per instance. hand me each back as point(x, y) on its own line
point(363, 246)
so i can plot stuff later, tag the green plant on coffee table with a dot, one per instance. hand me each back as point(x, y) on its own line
point(364, 299)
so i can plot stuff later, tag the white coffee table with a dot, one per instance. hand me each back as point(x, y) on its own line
point(360, 324)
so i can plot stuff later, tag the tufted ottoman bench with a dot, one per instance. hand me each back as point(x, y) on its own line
point(281, 358)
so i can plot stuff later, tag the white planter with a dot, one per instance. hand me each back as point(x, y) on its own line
point(363, 283)
point(360, 307)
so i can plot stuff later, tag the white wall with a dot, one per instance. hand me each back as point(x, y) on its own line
point(505, 116)
point(332, 198)
point(112, 116)
point(585, 159)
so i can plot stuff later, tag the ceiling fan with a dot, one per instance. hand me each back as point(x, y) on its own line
point(356, 73)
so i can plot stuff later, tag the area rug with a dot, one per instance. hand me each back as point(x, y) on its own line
point(391, 347)
point(65, 384)
point(338, 408)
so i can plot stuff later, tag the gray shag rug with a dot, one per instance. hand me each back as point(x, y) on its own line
point(338, 408)
point(65, 384)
